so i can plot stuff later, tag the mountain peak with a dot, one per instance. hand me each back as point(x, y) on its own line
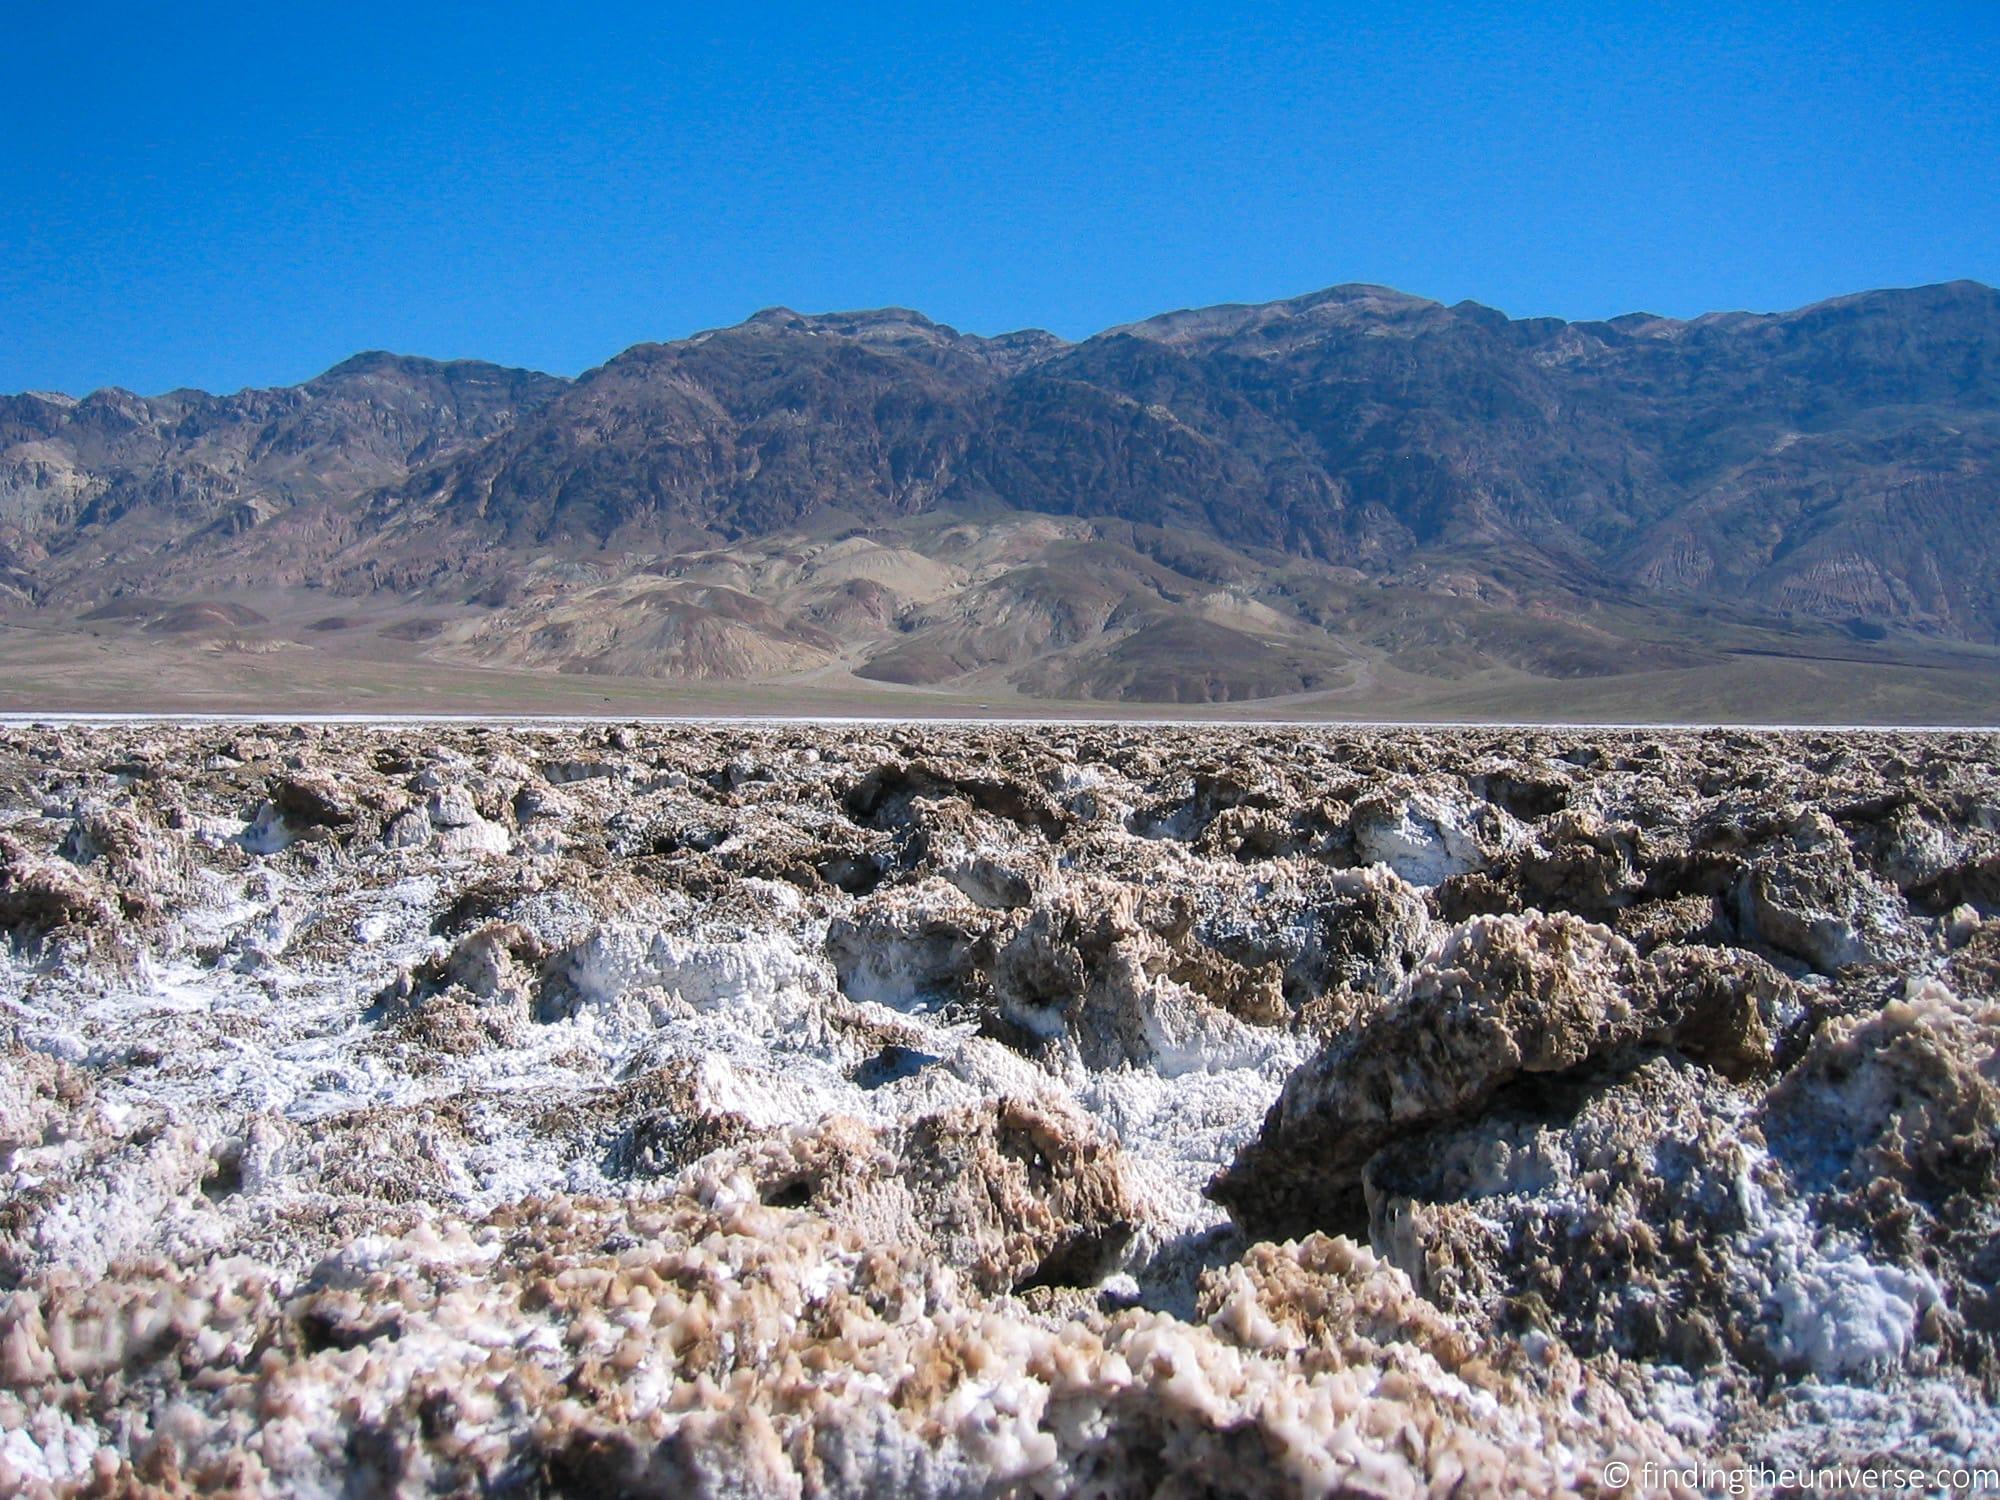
point(377, 361)
point(1281, 325)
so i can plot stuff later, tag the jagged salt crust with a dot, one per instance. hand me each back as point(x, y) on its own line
point(667, 1110)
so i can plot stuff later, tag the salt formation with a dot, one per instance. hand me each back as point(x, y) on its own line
point(1079, 1110)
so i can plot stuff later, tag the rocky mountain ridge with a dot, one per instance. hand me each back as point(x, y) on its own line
point(1357, 473)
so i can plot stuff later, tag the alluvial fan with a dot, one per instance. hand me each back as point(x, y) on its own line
point(881, 1109)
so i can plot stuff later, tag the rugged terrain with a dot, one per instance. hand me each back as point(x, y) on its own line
point(1356, 501)
point(1081, 1110)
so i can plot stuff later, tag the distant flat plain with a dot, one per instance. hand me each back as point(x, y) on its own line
point(71, 671)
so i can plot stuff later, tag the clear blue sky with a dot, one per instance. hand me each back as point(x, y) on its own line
point(206, 195)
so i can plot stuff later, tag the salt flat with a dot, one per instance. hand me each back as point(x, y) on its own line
point(845, 1107)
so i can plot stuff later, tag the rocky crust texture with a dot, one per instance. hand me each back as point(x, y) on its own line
point(859, 1110)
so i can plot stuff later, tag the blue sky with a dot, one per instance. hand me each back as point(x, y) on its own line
point(214, 196)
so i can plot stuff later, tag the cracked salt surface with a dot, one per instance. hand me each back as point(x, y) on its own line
point(497, 1079)
point(296, 1041)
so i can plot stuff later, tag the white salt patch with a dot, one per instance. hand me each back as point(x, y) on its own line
point(1426, 843)
point(1838, 1313)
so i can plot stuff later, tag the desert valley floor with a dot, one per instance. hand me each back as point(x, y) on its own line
point(881, 1108)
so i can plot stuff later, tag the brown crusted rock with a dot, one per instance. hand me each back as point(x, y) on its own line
point(148, 865)
point(1505, 996)
point(994, 883)
point(1596, 1216)
point(1909, 1095)
point(733, 1454)
point(1074, 968)
point(1893, 1120)
point(1914, 845)
point(1255, 994)
point(891, 797)
point(666, 1141)
point(1582, 865)
point(652, 1124)
point(471, 999)
point(1332, 1300)
point(563, 1272)
point(1973, 967)
point(1110, 973)
point(1325, 929)
point(1724, 1007)
point(452, 807)
point(576, 1346)
point(1012, 1194)
point(1806, 897)
point(389, 1153)
point(1690, 918)
point(1368, 931)
point(313, 797)
point(1661, 1212)
point(1974, 881)
point(37, 1093)
point(40, 895)
point(1476, 893)
point(496, 962)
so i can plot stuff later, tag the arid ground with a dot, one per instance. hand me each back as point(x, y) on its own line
point(882, 1108)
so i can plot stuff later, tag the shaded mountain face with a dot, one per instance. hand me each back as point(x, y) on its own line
point(1840, 463)
point(130, 483)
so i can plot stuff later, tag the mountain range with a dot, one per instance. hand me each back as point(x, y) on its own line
point(1351, 497)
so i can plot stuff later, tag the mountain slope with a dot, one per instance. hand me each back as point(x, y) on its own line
point(117, 481)
point(1221, 503)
